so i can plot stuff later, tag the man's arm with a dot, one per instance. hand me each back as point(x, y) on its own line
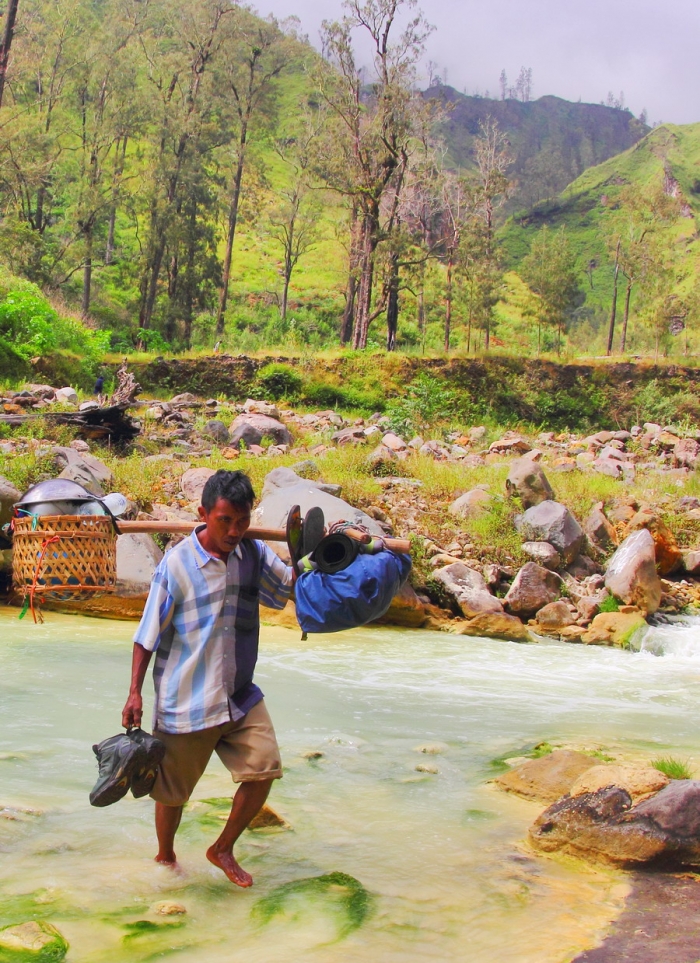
point(132, 712)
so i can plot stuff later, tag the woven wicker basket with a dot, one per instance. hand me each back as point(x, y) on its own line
point(64, 557)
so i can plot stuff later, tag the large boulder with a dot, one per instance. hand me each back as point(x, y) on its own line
point(284, 488)
point(494, 625)
point(527, 481)
point(137, 558)
point(268, 428)
point(552, 522)
point(35, 941)
point(631, 575)
point(532, 588)
point(8, 496)
point(604, 826)
point(666, 551)
point(554, 616)
point(468, 589)
point(193, 481)
point(547, 778)
point(83, 468)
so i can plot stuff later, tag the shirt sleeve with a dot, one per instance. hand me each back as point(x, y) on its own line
point(157, 613)
point(275, 579)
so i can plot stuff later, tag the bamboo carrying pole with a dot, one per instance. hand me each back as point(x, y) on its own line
point(401, 545)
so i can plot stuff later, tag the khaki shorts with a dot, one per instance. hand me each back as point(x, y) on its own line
point(248, 748)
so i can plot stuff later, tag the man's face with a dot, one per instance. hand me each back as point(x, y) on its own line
point(226, 525)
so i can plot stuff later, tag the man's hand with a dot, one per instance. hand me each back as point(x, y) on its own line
point(132, 713)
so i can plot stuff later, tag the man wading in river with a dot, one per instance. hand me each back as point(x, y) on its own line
point(202, 621)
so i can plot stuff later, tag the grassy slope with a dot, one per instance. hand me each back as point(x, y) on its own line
point(587, 208)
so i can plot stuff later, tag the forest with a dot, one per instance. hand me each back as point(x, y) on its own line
point(179, 175)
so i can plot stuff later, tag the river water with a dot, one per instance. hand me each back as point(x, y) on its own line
point(442, 854)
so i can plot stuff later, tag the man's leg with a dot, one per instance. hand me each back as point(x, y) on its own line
point(167, 822)
point(247, 803)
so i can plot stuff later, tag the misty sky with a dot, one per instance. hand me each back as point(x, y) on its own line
point(646, 48)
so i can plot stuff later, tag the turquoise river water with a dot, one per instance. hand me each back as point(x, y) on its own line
point(443, 855)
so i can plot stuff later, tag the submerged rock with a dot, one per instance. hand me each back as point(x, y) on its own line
point(343, 897)
point(33, 942)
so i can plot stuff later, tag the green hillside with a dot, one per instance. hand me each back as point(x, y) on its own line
point(552, 141)
point(600, 206)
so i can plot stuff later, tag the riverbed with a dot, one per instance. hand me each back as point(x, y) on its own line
point(440, 856)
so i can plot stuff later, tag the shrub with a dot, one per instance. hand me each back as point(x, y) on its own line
point(280, 381)
point(609, 604)
point(427, 400)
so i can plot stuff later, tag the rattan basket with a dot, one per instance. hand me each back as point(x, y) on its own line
point(64, 558)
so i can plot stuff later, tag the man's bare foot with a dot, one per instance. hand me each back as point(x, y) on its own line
point(170, 862)
point(228, 864)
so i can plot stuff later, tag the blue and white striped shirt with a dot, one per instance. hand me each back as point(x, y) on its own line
point(201, 619)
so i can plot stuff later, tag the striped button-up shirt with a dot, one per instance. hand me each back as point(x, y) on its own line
point(201, 619)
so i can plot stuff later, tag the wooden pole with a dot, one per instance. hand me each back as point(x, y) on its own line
point(401, 545)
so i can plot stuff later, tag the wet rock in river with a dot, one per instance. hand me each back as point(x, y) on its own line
point(638, 781)
point(494, 626)
point(605, 826)
point(631, 574)
point(33, 942)
point(547, 778)
point(614, 628)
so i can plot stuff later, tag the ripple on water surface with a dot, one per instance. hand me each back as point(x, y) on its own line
point(441, 866)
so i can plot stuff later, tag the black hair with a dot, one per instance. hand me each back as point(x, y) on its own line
point(234, 486)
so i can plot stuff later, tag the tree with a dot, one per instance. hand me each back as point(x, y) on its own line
point(550, 272)
point(503, 83)
point(366, 151)
point(6, 42)
point(251, 65)
point(294, 218)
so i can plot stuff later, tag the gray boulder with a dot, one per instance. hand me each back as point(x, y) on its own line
point(552, 522)
point(8, 496)
point(268, 427)
point(532, 589)
point(137, 558)
point(284, 488)
point(631, 575)
point(600, 533)
point(217, 431)
point(193, 481)
point(470, 503)
point(527, 481)
point(83, 468)
point(246, 434)
point(543, 553)
point(604, 826)
point(468, 589)
point(67, 396)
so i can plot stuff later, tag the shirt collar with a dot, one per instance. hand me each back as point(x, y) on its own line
point(201, 555)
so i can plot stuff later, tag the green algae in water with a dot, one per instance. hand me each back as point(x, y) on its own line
point(346, 896)
point(35, 941)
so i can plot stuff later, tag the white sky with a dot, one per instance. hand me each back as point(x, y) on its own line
point(646, 48)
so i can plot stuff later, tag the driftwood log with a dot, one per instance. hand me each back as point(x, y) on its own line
point(111, 423)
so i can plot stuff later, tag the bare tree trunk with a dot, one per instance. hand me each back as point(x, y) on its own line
point(116, 178)
point(346, 326)
point(231, 233)
point(8, 34)
point(392, 307)
point(628, 295)
point(448, 304)
point(613, 309)
point(364, 296)
point(87, 275)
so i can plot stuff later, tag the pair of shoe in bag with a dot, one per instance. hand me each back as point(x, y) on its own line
point(129, 760)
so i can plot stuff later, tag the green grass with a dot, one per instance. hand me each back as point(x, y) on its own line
point(609, 604)
point(673, 768)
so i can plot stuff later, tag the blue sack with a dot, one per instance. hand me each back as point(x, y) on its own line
point(359, 594)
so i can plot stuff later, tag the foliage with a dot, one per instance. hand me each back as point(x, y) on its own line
point(280, 381)
point(609, 604)
point(427, 400)
point(673, 768)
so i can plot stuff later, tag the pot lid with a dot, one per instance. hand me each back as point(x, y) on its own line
point(55, 489)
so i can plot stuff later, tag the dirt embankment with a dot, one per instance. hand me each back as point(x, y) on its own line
point(605, 395)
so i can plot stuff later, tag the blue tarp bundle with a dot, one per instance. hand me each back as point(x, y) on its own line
point(359, 594)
